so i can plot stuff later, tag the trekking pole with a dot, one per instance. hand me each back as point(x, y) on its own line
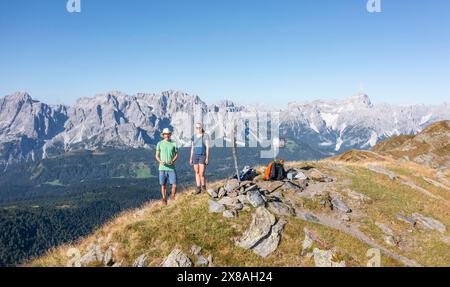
point(234, 149)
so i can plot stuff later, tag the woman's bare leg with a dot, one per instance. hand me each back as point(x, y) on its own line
point(197, 175)
point(201, 172)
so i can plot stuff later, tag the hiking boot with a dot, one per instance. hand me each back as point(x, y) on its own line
point(203, 188)
point(198, 190)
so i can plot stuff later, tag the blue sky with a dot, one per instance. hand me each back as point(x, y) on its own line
point(266, 51)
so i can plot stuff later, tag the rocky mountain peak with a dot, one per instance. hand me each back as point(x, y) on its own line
point(361, 99)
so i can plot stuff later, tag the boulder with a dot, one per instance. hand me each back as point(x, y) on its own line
point(229, 214)
point(345, 218)
point(201, 261)
point(300, 176)
point(141, 261)
point(108, 259)
point(429, 222)
point(270, 244)
point(340, 205)
point(251, 188)
point(195, 249)
point(88, 258)
point(311, 217)
point(386, 230)
point(221, 192)
point(291, 187)
point(215, 207)
point(260, 227)
point(255, 199)
point(317, 175)
point(93, 255)
point(357, 196)
point(231, 185)
point(212, 192)
point(231, 203)
point(390, 240)
point(177, 258)
point(324, 258)
point(407, 219)
point(243, 199)
point(382, 170)
point(310, 239)
point(280, 208)
point(210, 261)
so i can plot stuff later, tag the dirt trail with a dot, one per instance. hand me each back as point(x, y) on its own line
point(354, 232)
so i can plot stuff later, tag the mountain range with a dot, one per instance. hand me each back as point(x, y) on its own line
point(31, 130)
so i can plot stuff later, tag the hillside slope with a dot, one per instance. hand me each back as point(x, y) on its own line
point(431, 147)
point(333, 213)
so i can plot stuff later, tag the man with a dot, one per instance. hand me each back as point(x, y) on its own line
point(167, 155)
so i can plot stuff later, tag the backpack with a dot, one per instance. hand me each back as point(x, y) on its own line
point(275, 171)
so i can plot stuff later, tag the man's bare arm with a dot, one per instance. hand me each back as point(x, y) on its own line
point(157, 157)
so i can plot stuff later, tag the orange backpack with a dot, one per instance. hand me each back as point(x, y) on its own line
point(268, 169)
point(270, 174)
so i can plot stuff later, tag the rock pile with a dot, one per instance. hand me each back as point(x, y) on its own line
point(267, 199)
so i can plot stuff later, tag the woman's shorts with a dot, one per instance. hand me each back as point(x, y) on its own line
point(199, 159)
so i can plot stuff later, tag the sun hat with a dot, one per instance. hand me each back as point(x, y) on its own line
point(165, 131)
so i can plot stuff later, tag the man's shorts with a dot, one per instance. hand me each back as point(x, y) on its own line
point(165, 176)
point(199, 159)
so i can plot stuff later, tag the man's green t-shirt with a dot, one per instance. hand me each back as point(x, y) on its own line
point(167, 151)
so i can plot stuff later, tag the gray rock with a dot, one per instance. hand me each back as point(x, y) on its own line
point(243, 199)
point(255, 199)
point(291, 187)
point(390, 240)
point(311, 217)
point(340, 205)
point(357, 196)
point(270, 244)
point(385, 228)
point(229, 214)
point(215, 207)
point(141, 261)
point(231, 185)
point(430, 223)
point(222, 192)
point(231, 203)
point(210, 260)
point(278, 196)
point(324, 258)
point(108, 259)
point(260, 227)
point(195, 249)
point(317, 175)
point(300, 176)
point(446, 239)
point(212, 192)
point(280, 208)
point(177, 258)
point(251, 188)
point(407, 219)
point(308, 241)
point(381, 170)
point(345, 218)
point(88, 258)
point(202, 261)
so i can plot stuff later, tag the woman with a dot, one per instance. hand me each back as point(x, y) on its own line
point(200, 156)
